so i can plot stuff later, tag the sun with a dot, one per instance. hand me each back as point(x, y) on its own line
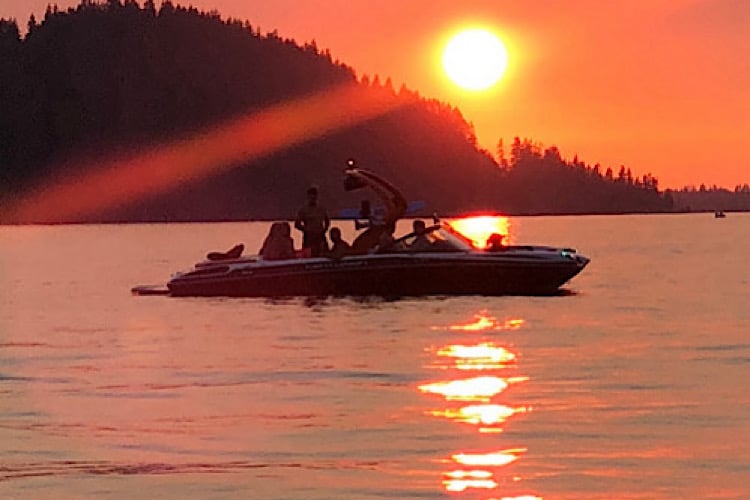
point(475, 59)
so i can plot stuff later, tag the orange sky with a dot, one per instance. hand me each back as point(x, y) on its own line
point(662, 86)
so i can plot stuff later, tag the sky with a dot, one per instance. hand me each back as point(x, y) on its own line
point(660, 86)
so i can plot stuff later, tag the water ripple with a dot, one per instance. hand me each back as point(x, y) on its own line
point(103, 468)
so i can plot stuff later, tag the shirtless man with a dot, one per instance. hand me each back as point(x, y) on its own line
point(312, 220)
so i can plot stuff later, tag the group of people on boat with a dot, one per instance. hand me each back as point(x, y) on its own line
point(279, 244)
point(313, 221)
point(379, 226)
point(315, 224)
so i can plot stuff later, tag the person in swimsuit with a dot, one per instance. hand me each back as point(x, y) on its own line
point(313, 221)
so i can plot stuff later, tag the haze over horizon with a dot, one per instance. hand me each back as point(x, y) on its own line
point(658, 86)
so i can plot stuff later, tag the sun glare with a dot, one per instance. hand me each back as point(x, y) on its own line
point(118, 181)
point(479, 228)
point(475, 59)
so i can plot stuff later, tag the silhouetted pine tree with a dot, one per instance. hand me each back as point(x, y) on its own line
point(113, 76)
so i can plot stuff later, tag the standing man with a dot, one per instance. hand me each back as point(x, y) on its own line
point(313, 221)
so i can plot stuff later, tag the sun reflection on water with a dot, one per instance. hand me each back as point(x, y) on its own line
point(486, 414)
point(483, 322)
point(484, 356)
point(485, 352)
point(460, 480)
point(479, 228)
point(472, 389)
point(496, 458)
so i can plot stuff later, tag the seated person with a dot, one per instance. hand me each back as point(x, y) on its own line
point(374, 226)
point(495, 243)
point(386, 241)
point(278, 245)
point(367, 240)
point(340, 248)
point(421, 243)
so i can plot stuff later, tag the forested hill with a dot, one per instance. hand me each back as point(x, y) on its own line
point(102, 79)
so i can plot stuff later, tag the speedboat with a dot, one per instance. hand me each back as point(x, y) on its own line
point(453, 267)
point(449, 265)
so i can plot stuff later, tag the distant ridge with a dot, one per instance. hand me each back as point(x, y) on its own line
point(114, 78)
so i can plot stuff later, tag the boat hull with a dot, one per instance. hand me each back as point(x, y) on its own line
point(389, 276)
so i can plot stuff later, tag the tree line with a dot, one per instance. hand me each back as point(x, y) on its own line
point(711, 198)
point(114, 76)
point(542, 181)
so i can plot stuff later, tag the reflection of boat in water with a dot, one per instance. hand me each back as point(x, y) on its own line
point(719, 214)
point(450, 265)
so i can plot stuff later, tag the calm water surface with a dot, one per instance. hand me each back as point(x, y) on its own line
point(633, 387)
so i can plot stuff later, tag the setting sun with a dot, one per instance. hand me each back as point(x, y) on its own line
point(475, 59)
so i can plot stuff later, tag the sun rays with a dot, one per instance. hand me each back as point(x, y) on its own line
point(122, 180)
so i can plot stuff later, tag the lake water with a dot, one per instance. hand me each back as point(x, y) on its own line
point(635, 386)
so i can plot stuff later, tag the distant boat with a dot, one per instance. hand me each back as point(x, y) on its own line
point(719, 214)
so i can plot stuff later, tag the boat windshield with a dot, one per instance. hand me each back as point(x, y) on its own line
point(437, 238)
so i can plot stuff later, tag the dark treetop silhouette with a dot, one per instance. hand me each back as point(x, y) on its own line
point(108, 79)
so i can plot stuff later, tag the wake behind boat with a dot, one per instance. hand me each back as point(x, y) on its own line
point(445, 263)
